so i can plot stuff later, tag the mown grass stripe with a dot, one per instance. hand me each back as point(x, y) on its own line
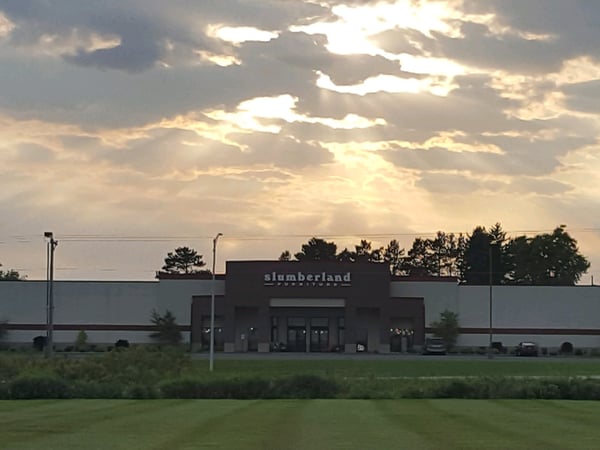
point(299, 424)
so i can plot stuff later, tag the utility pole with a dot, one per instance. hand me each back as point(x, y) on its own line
point(50, 247)
point(490, 349)
point(212, 306)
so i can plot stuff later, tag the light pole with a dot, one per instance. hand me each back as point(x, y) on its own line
point(212, 306)
point(491, 273)
point(50, 247)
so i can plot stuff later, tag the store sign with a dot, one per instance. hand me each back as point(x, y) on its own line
point(307, 279)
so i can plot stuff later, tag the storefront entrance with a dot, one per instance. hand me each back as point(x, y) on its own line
point(401, 340)
point(319, 339)
point(309, 333)
point(296, 339)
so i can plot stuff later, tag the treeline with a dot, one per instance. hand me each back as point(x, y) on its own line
point(9, 275)
point(478, 258)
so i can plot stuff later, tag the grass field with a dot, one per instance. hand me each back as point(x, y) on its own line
point(299, 424)
point(421, 367)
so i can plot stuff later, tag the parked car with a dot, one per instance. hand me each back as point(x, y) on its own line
point(527, 349)
point(434, 346)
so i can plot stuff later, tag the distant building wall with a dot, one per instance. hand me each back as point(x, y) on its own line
point(108, 311)
point(549, 315)
point(105, 310)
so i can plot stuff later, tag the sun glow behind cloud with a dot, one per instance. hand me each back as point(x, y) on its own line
point(6, 26)
point(356, 25)
point(389, 83)
point(238, 35)
point(356, 28)
point(250, 112)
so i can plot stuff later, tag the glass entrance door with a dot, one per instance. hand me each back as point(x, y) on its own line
point(319, 339)
point(296, 339)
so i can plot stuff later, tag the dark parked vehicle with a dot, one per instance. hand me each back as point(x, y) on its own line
point(527, 349)
point(434, 346)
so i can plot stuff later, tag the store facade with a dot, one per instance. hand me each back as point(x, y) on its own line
point(314, 306)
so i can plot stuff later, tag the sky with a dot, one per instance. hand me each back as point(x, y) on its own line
point(131, 127)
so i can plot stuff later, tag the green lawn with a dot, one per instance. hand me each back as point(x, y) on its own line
point(299, 424)
point(421, 367)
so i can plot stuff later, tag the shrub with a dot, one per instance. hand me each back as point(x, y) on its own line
point(167, 330)
point(447, 327)
point(299, 386)
point(238, 388)
point(306, 386)
point(454, 389)
point(566, 347)
point(81, 342)
point(140, 392)
point(89, 389)
point(38, 386)
point(39, 342)
point(498, 347)
point(122, 343)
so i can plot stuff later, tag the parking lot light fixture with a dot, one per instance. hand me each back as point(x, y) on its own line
point(212, 306)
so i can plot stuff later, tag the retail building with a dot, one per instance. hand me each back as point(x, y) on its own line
point(297, 306)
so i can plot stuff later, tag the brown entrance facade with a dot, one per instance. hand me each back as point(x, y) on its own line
point(311, 306)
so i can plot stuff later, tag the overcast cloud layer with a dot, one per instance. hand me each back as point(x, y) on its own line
point(131, 127)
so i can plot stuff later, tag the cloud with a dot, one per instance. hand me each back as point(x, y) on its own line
point(584, 97)
point(132, 116)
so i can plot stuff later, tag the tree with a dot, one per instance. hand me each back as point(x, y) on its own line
point(285, 256)
point(81, 341)
point(547, 259)
point(167, 330)
point(184, 260)
point(346, 256)
point(317, 250)
point(520, 261)
point(444, 250)
point(9, 275)
point(447, 327)
point(393, 255)
point(477, 256)
point(440, 256)
point(460, 262)
point(363, 252)
point(419, 260)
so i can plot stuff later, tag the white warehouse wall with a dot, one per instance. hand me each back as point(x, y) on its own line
point(176, 296)
point(80, 303)
point(437, 295)
point(122, 304)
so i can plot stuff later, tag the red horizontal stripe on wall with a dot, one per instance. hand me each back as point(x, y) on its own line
point(533, 331)
point(86, 327)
